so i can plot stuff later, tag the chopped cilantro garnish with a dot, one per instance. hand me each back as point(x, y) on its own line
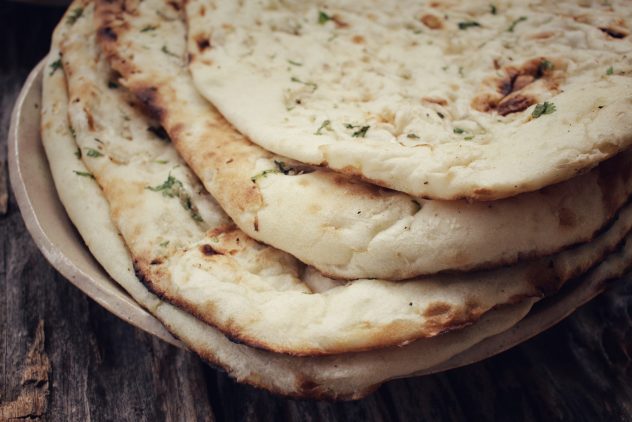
point(72, 132)
point(93, 153)
point(263, 174)
point(544, 108)
point(165, 50)
point(610, 71)
point(412, 136)
point(310, 84)
point(74, 15)
point(458, 130)
point(149, 28)
point(516, 22)
point(54, 66)
point(83, 173)
point(361, 133)
point(468, 24)
point(545, 66)
point(164, 244)
point(169, 187)
point(324, 125)
point(281, 167)
point(295, 63)
point(194, 214)
point(323, 17)
point(468, 138)
point(492, 9)
point(78, 153)
point(173, 188)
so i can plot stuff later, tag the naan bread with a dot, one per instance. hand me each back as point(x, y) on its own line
point(261, 296)
point(344, 228)
point(348, 376)
point(435, 99)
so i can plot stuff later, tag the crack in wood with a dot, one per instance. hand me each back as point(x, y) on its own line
point(32, 400)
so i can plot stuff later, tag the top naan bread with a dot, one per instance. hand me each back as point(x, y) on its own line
point(442, 100)
point(344, 228)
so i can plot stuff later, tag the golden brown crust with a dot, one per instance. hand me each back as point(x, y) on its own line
point(227, 160)
point(544, 277)
point(512, 89)
point(451, 318)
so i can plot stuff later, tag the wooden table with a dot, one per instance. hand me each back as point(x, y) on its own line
point(63, 357)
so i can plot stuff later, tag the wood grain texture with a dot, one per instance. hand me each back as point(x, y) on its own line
point(63, 357)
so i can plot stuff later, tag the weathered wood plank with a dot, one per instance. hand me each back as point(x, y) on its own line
point(102, 368)
point(20, 329)
point(32, 400)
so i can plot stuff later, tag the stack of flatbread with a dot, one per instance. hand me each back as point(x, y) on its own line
point(319, 196)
